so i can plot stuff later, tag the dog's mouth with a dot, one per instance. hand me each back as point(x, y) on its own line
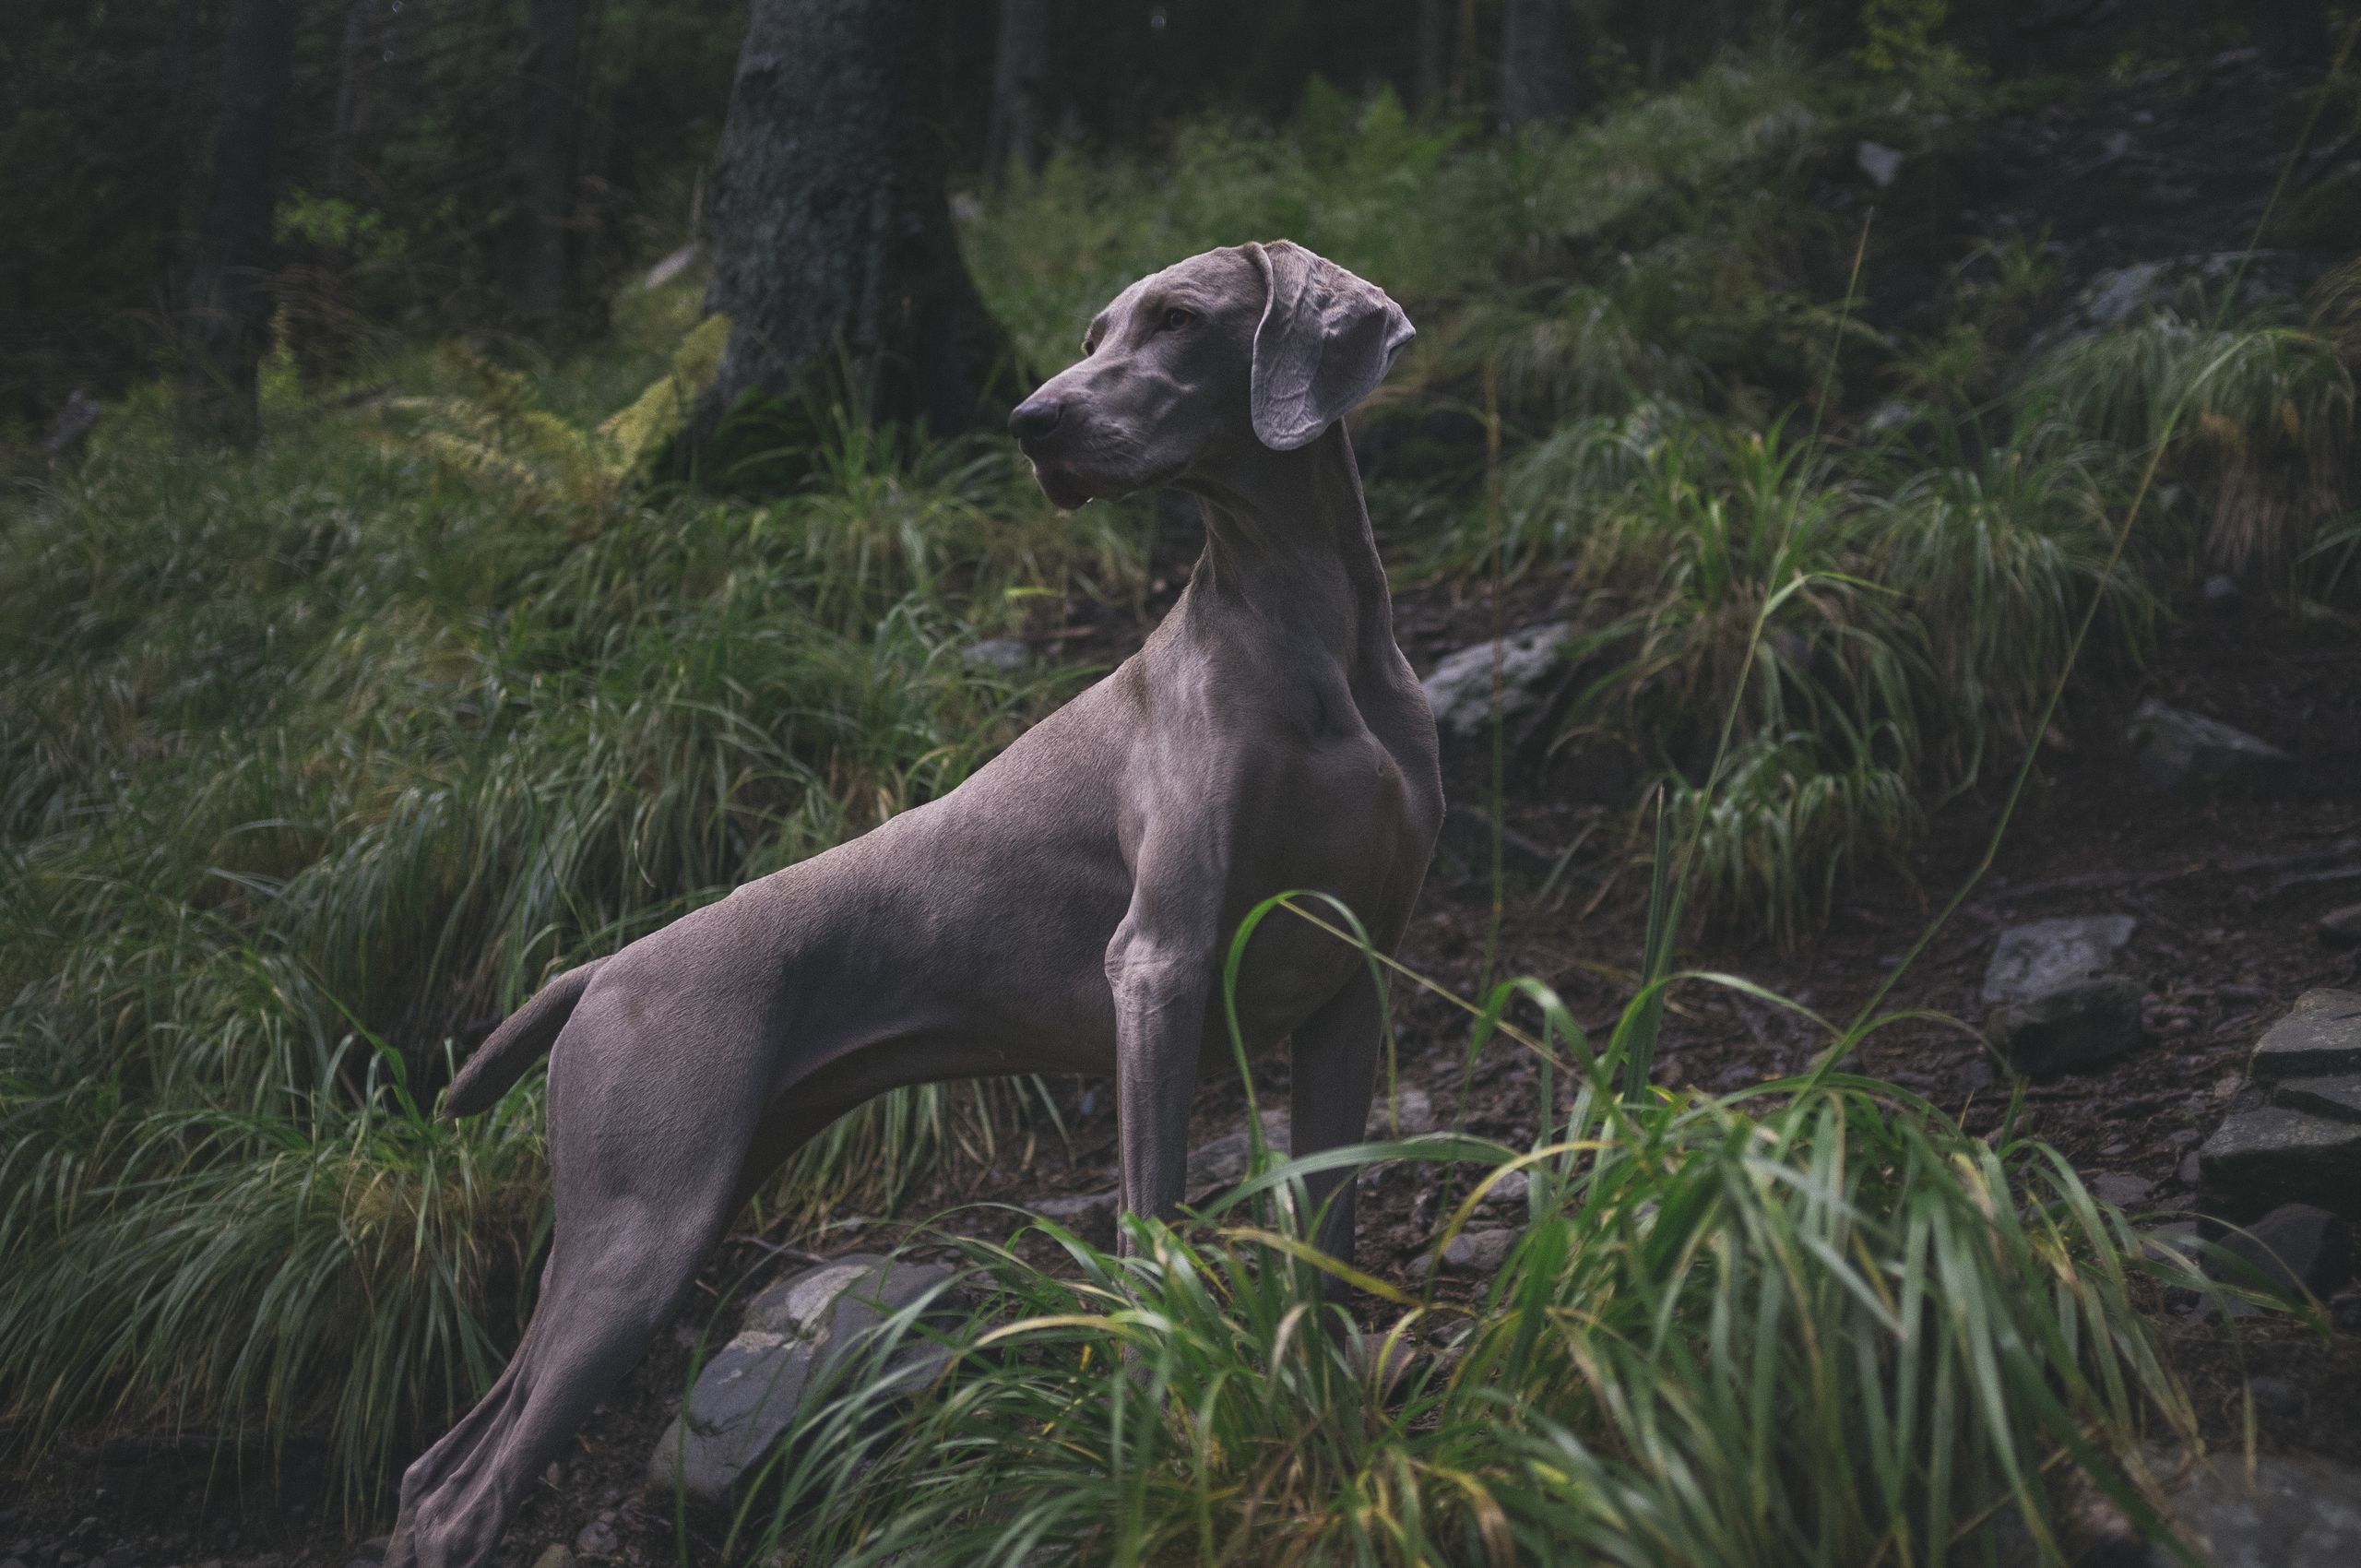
point(1065, 489)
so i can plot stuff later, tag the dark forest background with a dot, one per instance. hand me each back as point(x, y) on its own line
point(494, 166)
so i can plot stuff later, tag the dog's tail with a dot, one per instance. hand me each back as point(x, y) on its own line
point(521, 1039)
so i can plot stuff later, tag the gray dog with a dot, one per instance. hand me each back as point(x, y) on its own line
point(1066, 910)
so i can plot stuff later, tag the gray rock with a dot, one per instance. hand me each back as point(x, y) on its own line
point(2033, 959)
point(1222, 1162)
point(672, 266)
point(1412, 1107)
point(2122, 1190)
point(2341, 928)
point(795, 1333)
point(1460, 689)
point(598, 1539)
point(2293, 1244)
point(1879, 162)
point(2187, 286)
point(2296, 1511)
point(2320, 1038)
point(1471, 1251)
point(2172, 749)
point(1509, 1192)
point(2070, 1029)
point(2260, 1158)
point(1007, 655)
point(2275, 1396)
point(1090, 1216)
point(2338, 1097)
point(1891, 415)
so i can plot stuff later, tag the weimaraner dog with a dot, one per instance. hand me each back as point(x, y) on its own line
point(1067, 909)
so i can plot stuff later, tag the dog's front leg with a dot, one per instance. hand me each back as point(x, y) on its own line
point(1334, 1074)
point(1161, 971)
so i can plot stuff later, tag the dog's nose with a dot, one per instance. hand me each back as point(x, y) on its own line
point(1035, 417)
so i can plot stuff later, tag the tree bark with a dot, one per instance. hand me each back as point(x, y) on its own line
point(540, 264)
point(832, 243)
point(1536, 62)
point(225, 303)
point(1433, 77)
point(1020, 88)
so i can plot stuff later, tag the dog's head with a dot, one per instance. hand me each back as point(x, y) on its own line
point(1256, 343)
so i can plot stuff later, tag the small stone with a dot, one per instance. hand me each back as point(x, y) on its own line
point(1478, 1251)
point(2341, 928)
point(554, 1555)
point(2295, 1245)
point(1006, 655)
point(2274, 1397)
point(597, 1540)
point(1090, 1216)
point(2257, 1159)
point(1410, 1104)
point(1891, 415)
point(2320, 1037)
point(2221, 591)
point(1221, 1163)
point(2033, 959)
point(2172, 749)
point(2070, 1029)
point(672, 266)
point(2186, 1172)
point(2121, 1190)
point(1460, 688)
point(2297, 1511)
point(1509, 1192)
point(1879, 162)
point(556, 1475)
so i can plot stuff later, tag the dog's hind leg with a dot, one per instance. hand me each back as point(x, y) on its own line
point(643, 1191)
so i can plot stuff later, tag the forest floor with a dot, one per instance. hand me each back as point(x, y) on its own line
point(2227, 891)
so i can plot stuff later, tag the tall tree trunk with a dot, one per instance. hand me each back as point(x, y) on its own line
point(1433, 77)
point(541, 268)
point(1020, 87)
point(357, 56)
point(832, 242)
point(225, 303)
point(1536, 62)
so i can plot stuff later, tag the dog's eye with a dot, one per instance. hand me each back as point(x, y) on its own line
point(1176, 319)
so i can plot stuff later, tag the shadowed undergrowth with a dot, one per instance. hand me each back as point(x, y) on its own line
point(1813, 1323)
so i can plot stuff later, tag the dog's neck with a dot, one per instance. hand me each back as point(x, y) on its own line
point(1287, 541)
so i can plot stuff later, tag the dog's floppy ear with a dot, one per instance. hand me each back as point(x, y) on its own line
point(1325, 341)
